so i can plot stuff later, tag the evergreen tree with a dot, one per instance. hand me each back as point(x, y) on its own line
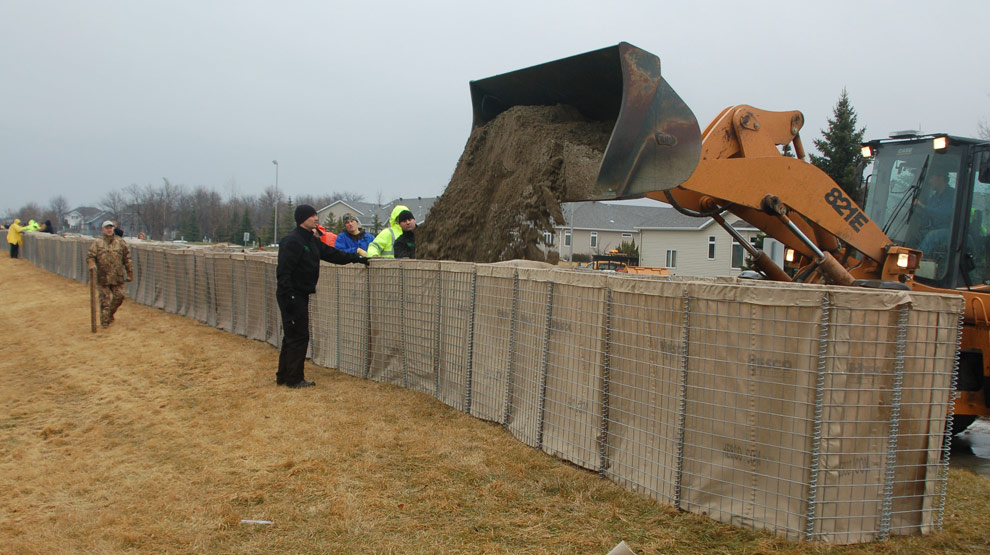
point(788, 151)
point(230, 230)
point(331, 224)
point(287, 219)
point(840, 148)
point(629, 248)
point(189, 227)
point(245, 227)
point(376, 225)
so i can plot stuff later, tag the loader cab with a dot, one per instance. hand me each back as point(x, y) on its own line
point(932, 193)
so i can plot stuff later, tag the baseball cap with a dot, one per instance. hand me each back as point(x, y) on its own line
point(107, 223)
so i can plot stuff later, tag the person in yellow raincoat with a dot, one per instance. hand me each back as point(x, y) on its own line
point(14, 238)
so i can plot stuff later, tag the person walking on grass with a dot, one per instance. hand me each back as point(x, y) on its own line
point(112, 260)
point(297, 273)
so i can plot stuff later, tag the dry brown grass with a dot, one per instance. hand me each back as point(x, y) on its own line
point(161, 435)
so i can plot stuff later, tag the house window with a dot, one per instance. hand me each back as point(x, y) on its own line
point(739, 254)
point(547, 237)
point(671, 259)
point(627, 235)
point(567, 238)
point(711, 247)
point(594, 239)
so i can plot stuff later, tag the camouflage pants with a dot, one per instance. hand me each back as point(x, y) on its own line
point(111, 297)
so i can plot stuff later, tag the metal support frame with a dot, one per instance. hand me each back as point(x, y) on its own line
point(337, 345)
point(893, 430)
point(436, 334)
point(943, 471)
point(682, 404)
point(402, 327)
point(247, 320)
point(606, 379)
point(544, 367)
point(816, 426)
point(512, 350)
point(470, 343)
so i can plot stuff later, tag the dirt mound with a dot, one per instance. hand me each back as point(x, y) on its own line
point(508, 185)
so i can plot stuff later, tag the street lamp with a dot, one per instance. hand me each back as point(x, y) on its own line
point(275, 229)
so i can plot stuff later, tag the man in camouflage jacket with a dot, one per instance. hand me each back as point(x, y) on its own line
point(112, 260)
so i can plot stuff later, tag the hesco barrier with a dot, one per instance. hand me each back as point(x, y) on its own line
point(818, 413)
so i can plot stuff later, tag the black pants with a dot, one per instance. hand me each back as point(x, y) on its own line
point(14, 249)
point(295, 338)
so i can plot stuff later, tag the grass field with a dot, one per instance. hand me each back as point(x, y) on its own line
point(162, 435)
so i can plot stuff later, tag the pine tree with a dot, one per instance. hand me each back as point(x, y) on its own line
point(189, 226)
point(841, 148)
point(629, 248)
point(286, 220)
point(331, 224)
point(244, 227)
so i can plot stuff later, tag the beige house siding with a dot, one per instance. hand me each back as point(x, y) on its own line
point(692, 250)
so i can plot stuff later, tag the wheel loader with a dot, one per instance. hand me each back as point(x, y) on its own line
point(922, 227)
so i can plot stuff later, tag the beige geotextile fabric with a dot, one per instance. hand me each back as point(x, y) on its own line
point(493, 326)
point(572, 407)
point(815, 412)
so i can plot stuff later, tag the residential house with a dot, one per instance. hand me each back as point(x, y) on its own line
point(687, 245)
point(367, 212)
point(598, 227)
point(692, 246)
point(81, 219)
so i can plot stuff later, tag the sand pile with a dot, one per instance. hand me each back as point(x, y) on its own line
point(508, 185)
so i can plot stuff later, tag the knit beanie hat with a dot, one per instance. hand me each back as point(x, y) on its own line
point(304, 212)
point(404, 215)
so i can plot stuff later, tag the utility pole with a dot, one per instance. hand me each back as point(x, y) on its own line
point(275, 229)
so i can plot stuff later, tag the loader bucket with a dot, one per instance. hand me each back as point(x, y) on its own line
point(655, 143)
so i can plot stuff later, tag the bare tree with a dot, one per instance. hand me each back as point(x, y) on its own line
point(156, 207)
point(209, 209)
point(350, 197)
point(57, 207)
point(30, 211)
point(983, 129)
point(114, 203)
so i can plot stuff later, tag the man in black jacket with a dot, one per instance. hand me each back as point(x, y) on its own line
point(298, 270)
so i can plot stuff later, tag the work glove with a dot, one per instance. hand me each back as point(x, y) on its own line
point(361, 251)
point(364, 260)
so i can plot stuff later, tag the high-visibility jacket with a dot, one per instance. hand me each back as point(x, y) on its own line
point(382, 246)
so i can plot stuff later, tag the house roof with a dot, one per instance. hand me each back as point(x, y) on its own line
point(87, 213)
point(358, 208)
point(601, 216)
point(366, 211)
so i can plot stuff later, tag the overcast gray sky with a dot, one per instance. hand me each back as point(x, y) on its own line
point(372, 97)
